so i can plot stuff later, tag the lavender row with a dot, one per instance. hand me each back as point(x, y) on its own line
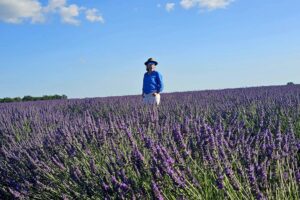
point(222, 144)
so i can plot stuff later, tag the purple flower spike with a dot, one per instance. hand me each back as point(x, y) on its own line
point(219, 182)
point(298, 176)
point(156, 191)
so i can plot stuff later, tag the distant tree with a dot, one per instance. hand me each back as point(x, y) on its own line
point(7, 100)
point(290, 83)
point(45, 97)
point(30, 98)
point(27, 98)
point(17, 99)
point(56, 97)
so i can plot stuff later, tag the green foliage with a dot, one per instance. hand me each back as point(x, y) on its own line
point(30, 98)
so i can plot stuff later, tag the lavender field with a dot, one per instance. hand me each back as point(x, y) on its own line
point(222, 144)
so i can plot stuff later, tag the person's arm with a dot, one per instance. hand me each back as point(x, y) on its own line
point(160, 83)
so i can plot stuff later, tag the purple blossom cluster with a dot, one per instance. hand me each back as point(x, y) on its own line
point(222, 144)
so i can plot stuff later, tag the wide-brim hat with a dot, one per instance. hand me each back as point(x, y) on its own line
point(151, 60)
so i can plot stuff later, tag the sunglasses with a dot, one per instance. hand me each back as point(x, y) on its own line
point(150, 63)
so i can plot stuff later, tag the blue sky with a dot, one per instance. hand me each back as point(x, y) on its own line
point(93, 48)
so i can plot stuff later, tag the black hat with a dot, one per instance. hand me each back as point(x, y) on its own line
point(151, 60)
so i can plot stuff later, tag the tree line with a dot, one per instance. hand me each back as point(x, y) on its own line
point(30, 98)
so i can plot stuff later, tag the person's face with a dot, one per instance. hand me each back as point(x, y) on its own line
point(150, 67)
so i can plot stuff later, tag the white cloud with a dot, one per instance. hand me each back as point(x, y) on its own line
point(187, 4)
point(69, 14)
point(214, 4)
point(16, 11)
point(55, 5)
point(93, 16)
point(170, 6)
point(205, 4)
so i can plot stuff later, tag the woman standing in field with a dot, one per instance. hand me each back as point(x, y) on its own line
point(152, 83)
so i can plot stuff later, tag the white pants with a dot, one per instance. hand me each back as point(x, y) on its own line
point(150, 99)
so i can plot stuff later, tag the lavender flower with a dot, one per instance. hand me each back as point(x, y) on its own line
point(138, 159)
point(156, 191)
point(219, 182)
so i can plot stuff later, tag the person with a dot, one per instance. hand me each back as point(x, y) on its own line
point(152, 83)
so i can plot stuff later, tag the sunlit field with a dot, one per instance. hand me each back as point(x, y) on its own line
point(221, 144)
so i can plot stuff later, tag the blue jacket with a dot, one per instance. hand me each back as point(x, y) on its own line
point(152, 82)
